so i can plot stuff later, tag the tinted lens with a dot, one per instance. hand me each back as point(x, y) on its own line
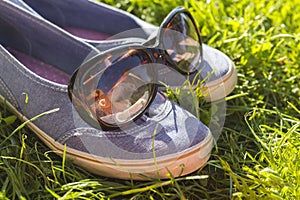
point(182, 42)
point(114, 90)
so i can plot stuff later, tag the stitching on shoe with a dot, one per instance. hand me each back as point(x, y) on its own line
point(111, 43)
point(88, 132)
point(8, 94)
point(106, 44)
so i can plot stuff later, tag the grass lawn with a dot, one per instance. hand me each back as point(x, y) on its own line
point(256, 157)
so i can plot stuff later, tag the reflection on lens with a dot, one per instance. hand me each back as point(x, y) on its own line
point(128, 112)
point(128, 98)
point(116, 89)
point(182, 42)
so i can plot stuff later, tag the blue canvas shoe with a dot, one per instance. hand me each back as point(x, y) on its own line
point(37, 60)
point(107, 27)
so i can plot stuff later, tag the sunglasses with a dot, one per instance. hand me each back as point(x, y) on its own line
point(115, 88)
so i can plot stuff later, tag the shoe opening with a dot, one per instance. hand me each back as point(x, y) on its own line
point(39, 46)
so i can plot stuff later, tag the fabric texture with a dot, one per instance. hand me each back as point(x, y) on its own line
point(36, 43)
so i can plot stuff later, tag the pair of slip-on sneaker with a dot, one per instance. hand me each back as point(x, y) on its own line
point(106, 27)
point(43, 42)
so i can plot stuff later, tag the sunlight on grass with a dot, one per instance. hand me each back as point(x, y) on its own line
point(256, 157)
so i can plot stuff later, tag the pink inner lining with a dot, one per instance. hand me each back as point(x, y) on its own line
point(40, 68)
point(87, 34)
point(50, 72)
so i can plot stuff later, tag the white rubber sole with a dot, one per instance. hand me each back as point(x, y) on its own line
point(220, 88)
point(177, 164)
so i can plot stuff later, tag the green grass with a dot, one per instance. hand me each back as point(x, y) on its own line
point(256, 157)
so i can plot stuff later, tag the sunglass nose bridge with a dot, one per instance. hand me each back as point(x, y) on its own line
point(161, 57)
